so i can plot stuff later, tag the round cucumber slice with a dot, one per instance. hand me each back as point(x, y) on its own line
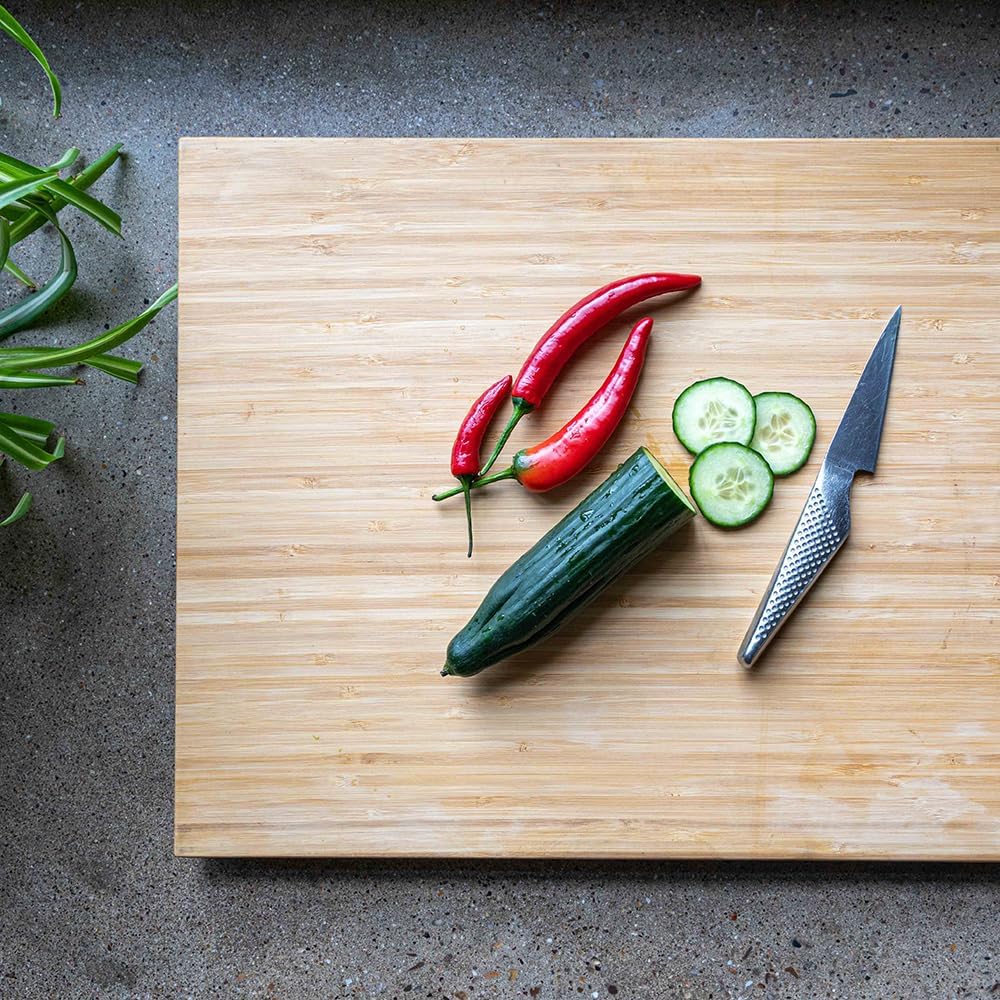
point(714, 410)
point(731, 484)
point(785, 432)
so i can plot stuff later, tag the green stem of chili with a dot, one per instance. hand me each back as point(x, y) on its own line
point(467, 490)
point(507, 473)
point(520, 409)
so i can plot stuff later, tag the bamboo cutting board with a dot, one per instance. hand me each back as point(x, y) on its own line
point(344, 300)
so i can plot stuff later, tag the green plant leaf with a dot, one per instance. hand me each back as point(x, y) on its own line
point(13, 28)
point(92, 171)
point(13, 169)
point(24, 312)
point(21, 508)
point(31, 220)
point(34, 380)
point(12, 268)
point(111, 220)
point(23, 358)
point(4, 241)
point(33, 428)
point(12, 355)
point(123, 368)
point(12, 191)
point(29, 454)
point(67, 159)
point(12, 213)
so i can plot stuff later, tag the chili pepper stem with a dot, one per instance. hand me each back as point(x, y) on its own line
point(466, 482)
point(521, 407)
point(507, 473)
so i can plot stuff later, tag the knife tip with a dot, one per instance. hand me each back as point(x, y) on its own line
point(891, 331)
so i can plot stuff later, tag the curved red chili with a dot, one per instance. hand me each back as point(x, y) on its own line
point(560, 457)
point(472, 430)
point(572, 448)
point(573, 329)
point(578, 324)
point(469, 440)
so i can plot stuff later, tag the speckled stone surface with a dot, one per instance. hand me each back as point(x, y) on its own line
point(92, 903)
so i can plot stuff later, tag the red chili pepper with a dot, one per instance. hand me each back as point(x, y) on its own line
point(572, 448)
point(567, 452)
point(469, 440)
point(573, 329)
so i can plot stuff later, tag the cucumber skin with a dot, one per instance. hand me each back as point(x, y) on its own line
point(631, 513)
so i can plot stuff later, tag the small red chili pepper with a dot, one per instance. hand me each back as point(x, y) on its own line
point(469, 440)
point(567, 452)
point(573, 329)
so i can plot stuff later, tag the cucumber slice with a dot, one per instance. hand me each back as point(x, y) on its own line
point(731, 484)
point(785, 432)
point(713, 410)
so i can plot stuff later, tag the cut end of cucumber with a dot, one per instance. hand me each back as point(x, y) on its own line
point(785, 432)
point(731, 484)
point(714, 410)
point(662, 472)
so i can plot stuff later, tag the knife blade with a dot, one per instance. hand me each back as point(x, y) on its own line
point(825, 521)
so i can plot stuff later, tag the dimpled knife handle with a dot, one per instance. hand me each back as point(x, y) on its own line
point(821, 531)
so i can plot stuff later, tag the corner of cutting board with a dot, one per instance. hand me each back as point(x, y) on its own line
point(185, 846)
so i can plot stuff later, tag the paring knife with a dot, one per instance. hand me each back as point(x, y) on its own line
point(825, 520)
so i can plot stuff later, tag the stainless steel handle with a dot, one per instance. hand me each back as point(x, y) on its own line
point(821, 530)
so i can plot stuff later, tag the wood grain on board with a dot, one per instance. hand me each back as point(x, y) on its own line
point(344, 300)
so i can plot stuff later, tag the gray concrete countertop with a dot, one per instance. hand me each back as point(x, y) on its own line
point(92, 903)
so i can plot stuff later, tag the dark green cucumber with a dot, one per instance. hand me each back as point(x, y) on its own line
point(622, 521)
